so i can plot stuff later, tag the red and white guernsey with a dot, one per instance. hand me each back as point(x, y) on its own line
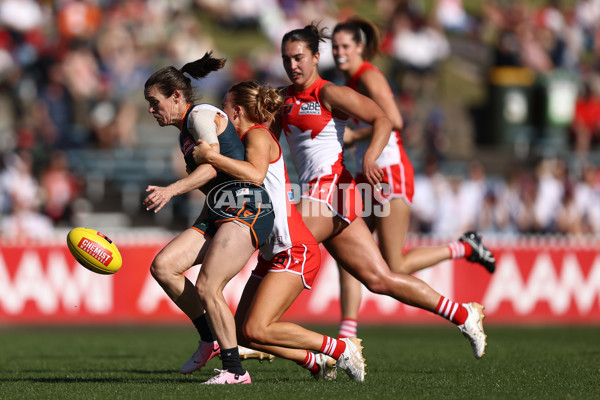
point(398, 171)
point(391, 154)
point(314, 134)
point(288, 229)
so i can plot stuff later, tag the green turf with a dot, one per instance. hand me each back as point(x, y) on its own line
point(403, 363)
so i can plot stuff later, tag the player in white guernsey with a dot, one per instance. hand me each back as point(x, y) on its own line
point(387, 211)
point(313, 110)
point(289, 260)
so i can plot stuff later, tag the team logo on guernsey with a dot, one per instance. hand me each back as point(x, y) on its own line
point(287, 108)
point(188, 146)
point(312, 108)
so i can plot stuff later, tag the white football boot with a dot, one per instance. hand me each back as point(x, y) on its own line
point(327, 368)
point(352, 360)
point(472, 329)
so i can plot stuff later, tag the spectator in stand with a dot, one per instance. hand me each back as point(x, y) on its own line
point(587, 16)
point(585, 128)
point(569, 217)
point(531, 52)
point(60, 188)
point(551, 177)
point(508, 198)
point(472, 193)
point(493, 216)
point(428, 186)
point(417, 48)
point(52, 114)
point(450, 216)
point(587, 198)
point(20, 182)
point(525, 216)
point(451, 15)
point(78, 19)
point(24, 220)
point(21, 18)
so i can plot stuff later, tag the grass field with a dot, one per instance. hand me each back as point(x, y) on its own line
point(403, 363)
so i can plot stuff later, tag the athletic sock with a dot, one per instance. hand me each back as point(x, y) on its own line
point(231, 361)
point(203, 327)
point(348, 328)
point(452, 311)
point(332, 347)
point(310, 363)
point(460, 250)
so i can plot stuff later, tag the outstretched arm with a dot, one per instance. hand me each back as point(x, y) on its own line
point(159, 196)
point(203, 124)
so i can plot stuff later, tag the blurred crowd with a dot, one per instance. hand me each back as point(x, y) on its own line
point(544, 200)
point(72, 74)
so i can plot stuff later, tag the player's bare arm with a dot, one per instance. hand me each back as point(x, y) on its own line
point(275, 126)
point(159, 196)
point(349, 101)
point(376, 87)
point(258, 154)
point(205, 124)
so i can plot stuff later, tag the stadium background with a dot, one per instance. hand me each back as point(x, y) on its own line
point(501, 111)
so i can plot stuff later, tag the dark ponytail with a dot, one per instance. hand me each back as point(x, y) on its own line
point(310, 34)
point(362, 31)
point(169, 79)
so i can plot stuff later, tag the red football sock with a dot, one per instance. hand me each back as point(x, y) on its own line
point(332, 347)
point(309, 363)
point(460, 250)
point(452, 311)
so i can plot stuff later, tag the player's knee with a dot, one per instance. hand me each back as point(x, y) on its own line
point(205, 292)
point(159, 269)
point(256, 332)
point(400, 267)
point(377, 282)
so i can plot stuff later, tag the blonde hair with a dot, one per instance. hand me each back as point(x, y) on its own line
point(260, 102)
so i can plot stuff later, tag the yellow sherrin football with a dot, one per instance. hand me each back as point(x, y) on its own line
point(94, 250)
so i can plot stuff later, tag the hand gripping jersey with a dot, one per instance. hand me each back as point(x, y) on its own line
point(227, 199)
point(288, 228)
point(229, 143)
point(314, 134)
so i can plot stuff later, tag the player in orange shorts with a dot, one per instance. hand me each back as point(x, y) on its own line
point(235, 222)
